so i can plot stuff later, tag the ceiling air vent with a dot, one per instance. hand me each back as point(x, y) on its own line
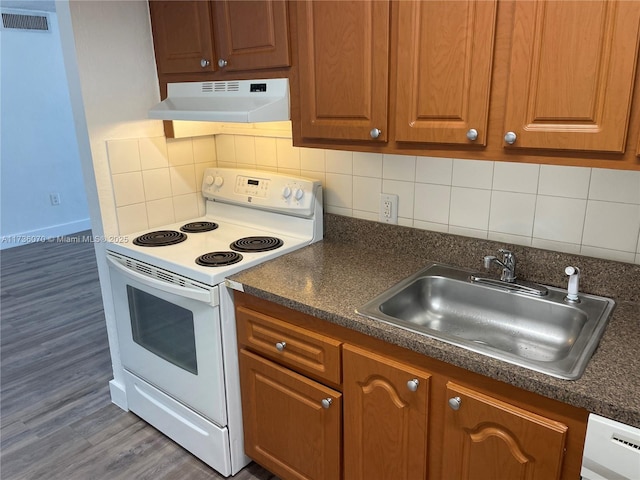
point(20, 21)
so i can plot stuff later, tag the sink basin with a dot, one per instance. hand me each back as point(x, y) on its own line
point(542, 333)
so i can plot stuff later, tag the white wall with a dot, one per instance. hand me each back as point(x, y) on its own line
point(39, 153)
point(112, 81)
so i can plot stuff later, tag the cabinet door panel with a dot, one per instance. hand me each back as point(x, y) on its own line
point(572, 73)
point(286, 428)
point(445, 57)
point(500, 440)
point(385, 432)
point(252, 34)
point(344, 61)
point(182, 36)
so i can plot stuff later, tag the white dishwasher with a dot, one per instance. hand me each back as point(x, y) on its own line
point(611, 451)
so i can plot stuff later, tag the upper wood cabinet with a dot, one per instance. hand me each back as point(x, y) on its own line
point(571, 75)
point(219, 36)
point(483, 434)
point(251, 35)
point(182, 36)
point(385, 417)
point(444, 64)
point(343, 56)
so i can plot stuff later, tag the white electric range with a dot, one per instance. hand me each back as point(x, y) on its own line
point(175, 316)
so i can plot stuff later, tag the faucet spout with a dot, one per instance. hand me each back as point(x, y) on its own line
point(508, 265)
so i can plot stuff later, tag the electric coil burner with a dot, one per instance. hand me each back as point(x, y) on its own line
point(160, 238)
point(198, 227)
point(218, 259)
point(174, 312)
point(256, 244)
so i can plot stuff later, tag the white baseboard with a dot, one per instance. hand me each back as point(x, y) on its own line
point(43, 234)
point(118, 395)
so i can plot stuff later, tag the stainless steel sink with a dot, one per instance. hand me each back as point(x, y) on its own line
point(542, 333)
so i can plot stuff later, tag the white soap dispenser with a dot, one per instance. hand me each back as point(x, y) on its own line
point(573, 287)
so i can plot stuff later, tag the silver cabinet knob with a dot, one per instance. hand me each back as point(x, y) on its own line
point(204, 63)
point(375, 132)
point(455, 403)
point(472, 134)
point(222, 63)
point(510, 137)
point(413, 384)
point(326, 402)
point(280, 346)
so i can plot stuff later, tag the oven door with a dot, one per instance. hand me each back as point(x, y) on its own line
point(169, 336)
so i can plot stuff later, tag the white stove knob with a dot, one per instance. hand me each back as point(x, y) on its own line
point(298, 193)
point(218, 181)
point(208, 180)
point(286, 192)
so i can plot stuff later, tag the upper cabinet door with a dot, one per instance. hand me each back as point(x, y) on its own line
point(571, 74)
point(182, 36)
point(445, 57)
point(344, 64)
point(252, 34)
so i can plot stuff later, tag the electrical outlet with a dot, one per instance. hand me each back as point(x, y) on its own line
point(55, 199)
point(388, 208)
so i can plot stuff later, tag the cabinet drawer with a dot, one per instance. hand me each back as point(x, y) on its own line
point(298, 348)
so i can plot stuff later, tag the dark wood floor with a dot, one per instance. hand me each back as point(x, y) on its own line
point(57, 419)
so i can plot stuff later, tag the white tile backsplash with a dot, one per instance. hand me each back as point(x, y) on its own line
point(246, 152)
point(164, 180)
point(160, 212)
point(472, 174)
point(367, 164)
point(559, 219)
point(432, 203)
point(157, 183)
point(512, 213)
point(339, 190)
point(615, 186)
point(434, 170)
point(610, 225)
point(153, 153)
point(516, 177)
point(560, 181)
point(544, 206)
point(180, 152)
point(124, 155)
point(183, 179)
point(399, 167)
point(470, 208)
point(337, 161)
point(128, 188)
point(366, 194)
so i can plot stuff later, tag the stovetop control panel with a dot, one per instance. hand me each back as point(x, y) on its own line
point(261, 189)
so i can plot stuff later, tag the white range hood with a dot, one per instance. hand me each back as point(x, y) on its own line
point(232, 101)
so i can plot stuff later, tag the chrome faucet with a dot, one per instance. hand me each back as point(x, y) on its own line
point(508, 264)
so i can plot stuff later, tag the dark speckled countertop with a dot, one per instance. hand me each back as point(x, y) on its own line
point(359, 259)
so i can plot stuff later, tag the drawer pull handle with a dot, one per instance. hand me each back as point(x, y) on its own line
point(326, 402)
point(412, 385)
point(455, 403)
point(280, 346)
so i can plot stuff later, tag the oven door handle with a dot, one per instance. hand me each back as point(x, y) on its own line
point(201, 295)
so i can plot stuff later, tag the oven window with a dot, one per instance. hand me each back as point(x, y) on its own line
point(163, 328)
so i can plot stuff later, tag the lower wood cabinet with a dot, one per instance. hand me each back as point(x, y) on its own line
point(292, 425)
point(385, 418)
point(485, 435)
point(388, 413)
